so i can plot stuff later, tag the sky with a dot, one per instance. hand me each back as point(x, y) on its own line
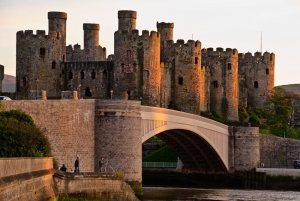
point(216, 23)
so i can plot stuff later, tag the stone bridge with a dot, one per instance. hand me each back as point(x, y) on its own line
point(200, 143)
point(116, 129)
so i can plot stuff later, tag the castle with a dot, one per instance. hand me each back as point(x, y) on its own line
point(150, 67)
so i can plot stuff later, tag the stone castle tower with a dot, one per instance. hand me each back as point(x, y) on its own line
point(256, 74)
point(149, 67)
point(222, 67)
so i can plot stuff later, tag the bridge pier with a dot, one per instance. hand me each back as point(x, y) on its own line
point(118, 138)
point(244, 148)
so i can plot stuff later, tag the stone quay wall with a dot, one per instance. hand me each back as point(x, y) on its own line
point(103, 186)
point(67, 124)
point(26, 179)
point(14, 166)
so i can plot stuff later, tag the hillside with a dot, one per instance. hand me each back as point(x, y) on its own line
point(9, 83)
point(291, 87)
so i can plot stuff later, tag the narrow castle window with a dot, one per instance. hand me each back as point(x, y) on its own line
point(229, 66)
point(267, 71)
point(255, 84)
point(53, 65)
point(129, 53)
point(82, 75)
point(104, 74)
point(134, 67)
point(62, 71)
point(180, 80)
point(146, 73)
point(122, 67)
point(63, 57)
point(87, 92)
point(93, 74)
point(42, 52)
point(70, 75)
point(215, 84)
point(196, 60)
point(129, 93)
point(24, 81)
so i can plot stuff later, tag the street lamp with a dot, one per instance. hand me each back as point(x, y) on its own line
point(36, 82)
point(78, 88)
point(111, 93)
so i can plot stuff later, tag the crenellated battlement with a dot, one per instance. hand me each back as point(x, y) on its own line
point(229, 52)
point(266, 57)
point(160, 25)
point(134, 32)
point(39, 34)
point(57, 15)
point(88, 26)
point(127, 14)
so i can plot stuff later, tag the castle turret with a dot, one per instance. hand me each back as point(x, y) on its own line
point(223, 68)
point(256, 74)
point(58, 23)
point(91, 35)
point(165, 30)
point(186, 90)
point(127, 19)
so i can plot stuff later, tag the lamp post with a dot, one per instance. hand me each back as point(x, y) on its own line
point(78, 88)
point(36, 94)
point(111, 93)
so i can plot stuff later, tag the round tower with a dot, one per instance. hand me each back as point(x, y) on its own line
point(127, 19)
point(58, 23)
point(91, 35)
point(165, 30)
point(223, 68)
point(187, 88)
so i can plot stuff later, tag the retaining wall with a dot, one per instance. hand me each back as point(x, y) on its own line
point(26, 179)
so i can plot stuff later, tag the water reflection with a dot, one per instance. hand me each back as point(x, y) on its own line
point(181, 194)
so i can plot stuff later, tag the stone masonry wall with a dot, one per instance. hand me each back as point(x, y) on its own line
point(100, 186)
point(68, 125)
point(118, 137)
point(26, 179)
point(246, 146)
point(278, 151)
point(13, 166)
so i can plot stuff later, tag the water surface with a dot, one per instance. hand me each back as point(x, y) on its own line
point(182, 194)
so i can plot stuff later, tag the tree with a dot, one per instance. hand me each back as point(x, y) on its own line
point(19, 137)
point(278, 110)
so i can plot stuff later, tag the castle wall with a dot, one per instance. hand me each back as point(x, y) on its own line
point(118, 137)
point(90, 79)
point(127, 65)
point(187, 76)
point(223, 68)
point(166, 69)
point(151, 68)
point(38, 56)
point(257, 77)
point(68, 125)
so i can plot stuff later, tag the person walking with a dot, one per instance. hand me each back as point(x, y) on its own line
point(76, 170)
point(101, 164)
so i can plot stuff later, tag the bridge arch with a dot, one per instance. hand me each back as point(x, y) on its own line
point(201, 144)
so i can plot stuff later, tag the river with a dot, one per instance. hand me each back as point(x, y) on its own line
point(182, 194)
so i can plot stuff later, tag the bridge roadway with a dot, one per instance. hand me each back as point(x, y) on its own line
point(201, 144)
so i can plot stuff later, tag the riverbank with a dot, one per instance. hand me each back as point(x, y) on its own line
point(238, 180)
